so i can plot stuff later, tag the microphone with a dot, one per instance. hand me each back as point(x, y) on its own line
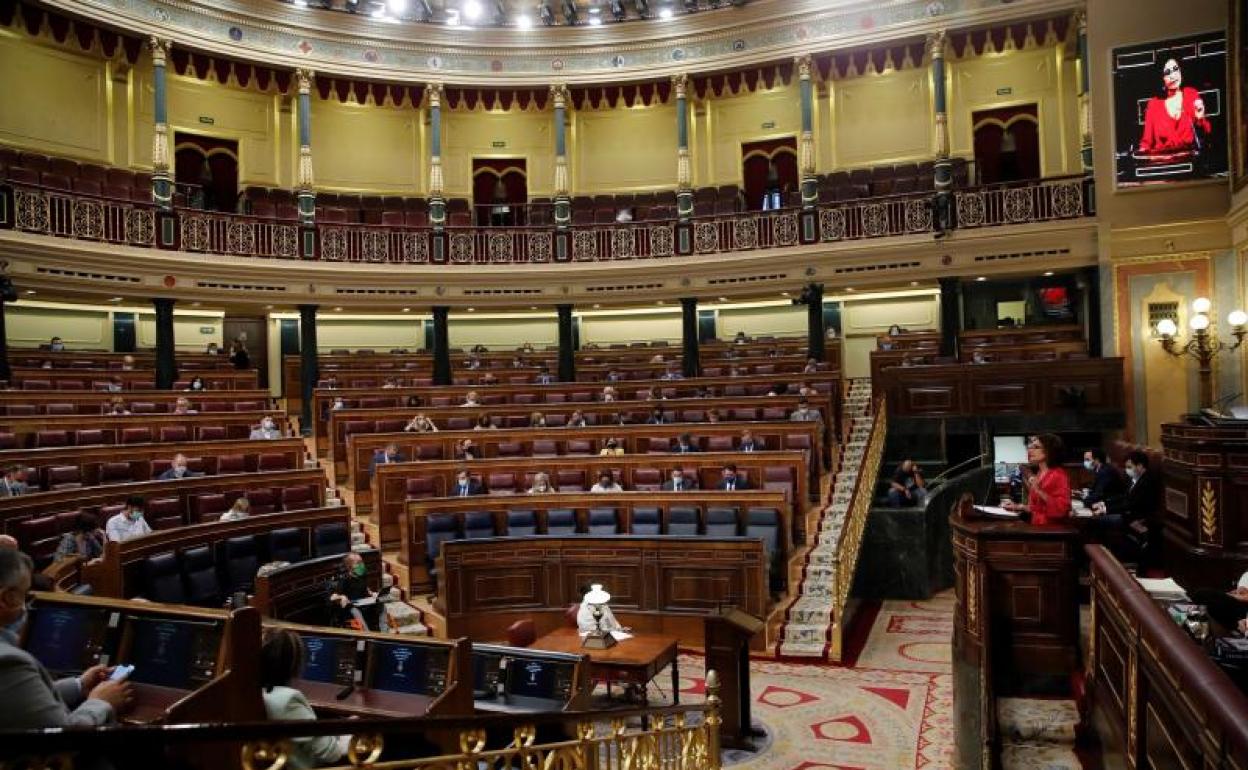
point(345, 692)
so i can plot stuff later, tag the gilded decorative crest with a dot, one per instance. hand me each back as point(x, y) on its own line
point(1208, 512)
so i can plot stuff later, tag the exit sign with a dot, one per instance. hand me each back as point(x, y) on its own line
point(1005, 91)
point(207, 121)
point(498, 144)
point(769, 125)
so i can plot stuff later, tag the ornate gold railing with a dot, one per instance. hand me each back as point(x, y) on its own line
point(850, 542)
point(665, 738)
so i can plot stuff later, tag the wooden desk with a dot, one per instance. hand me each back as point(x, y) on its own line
point(362, 702)
point(633, 661)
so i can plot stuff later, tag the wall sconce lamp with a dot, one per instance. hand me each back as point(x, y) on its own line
point(1203, 345)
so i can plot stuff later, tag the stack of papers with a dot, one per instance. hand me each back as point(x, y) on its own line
point(994, 510)
point(1163, 589)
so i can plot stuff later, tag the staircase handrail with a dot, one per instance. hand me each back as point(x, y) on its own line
point(849, 543)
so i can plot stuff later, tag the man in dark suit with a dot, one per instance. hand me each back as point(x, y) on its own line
point(730, 481)
point(1135, 512)
point(13, 484)
point(678, 482)
point(685, 445)
point(178, 469)
point(749, 443)
point(390, 454)
point(466, 485)
point(1106, 481)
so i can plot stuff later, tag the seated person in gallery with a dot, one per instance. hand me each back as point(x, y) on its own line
point(611, 448)
point(484, 422)
point(907, 486)
point(183, 406)
point(749, 443)
point(85, 541)
point(537, 420)
point(470, 399)
point(467, 450)
point(541, 484)
point(390, 454)
point(267, 430)
point(178, 469)
point(129, 522)
point(576, 420)
point(606, 483)
point(420, 424)
point(196, 383)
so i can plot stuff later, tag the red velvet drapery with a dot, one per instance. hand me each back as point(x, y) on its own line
point(755, 159)
point(485, 175)
point(220, 180)
point(1007, 144)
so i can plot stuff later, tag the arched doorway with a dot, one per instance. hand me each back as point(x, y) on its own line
point(1007, 144)
point(206, 172)
point(500, 190)
point(769, 166)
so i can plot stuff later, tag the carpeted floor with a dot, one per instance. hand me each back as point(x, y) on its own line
point(890, 711)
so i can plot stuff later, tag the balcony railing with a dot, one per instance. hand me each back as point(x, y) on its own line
point(84, 217)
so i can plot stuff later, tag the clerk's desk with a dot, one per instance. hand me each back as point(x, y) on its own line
point(191, 664)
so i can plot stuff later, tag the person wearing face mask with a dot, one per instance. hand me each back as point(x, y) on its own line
point(466, 486)
point(1106, 483)
point(611, 448)
point(678, 482)
point(178, 469)
point(390, 454)
point(56, 345)
point(32, 699)
point(128, 524)
point(1135, 511)
point(267, 430)
point(541, 485)
point(352, 586)
point(197, 383)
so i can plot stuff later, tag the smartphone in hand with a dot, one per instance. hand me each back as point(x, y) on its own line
point(121, 673)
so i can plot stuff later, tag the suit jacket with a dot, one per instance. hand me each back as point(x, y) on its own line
point(752, 446)
point(169, 474)
point(380, 459)
point(12, 489)
point(474, 488)
point(1143, 498)
point(738, 483)
point(33, 699)
point(686, 449)
point(1106, 486)
point(288, 704)
point(686, 485)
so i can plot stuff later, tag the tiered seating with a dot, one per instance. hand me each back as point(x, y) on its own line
point(42, 431)
point(28, 378)
point(65, 175)
point(18, 403)
point(94, 359)
point(881, 181)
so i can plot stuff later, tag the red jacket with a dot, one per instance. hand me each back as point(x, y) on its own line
point(1163, 133)
point(1054, 507)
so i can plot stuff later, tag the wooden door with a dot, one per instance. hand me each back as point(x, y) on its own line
point(256, 333)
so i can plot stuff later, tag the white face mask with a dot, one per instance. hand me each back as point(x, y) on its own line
point(267, 425)
point(1133, 473)
point(1087, 464)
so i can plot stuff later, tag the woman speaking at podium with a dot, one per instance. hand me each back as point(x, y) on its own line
point(1048, 489)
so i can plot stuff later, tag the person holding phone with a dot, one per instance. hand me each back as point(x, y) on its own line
point(32, 698)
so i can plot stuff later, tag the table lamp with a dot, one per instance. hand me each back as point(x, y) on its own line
point(597, 639)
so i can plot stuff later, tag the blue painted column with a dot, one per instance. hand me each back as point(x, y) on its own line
point(944, 169)
point(304, 191)
point(563, 199)
point(684, 171)
point(309, 365)
point(806, 143)
point(437, 196)
point(1085, 107)
point(162, 174)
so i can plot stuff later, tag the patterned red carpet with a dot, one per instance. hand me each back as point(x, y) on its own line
point(890, 711)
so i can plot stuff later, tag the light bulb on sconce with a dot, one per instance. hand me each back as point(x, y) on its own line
point(1202, 305)
point(1237, 318)
point(1199, 322)
point(1167, 327)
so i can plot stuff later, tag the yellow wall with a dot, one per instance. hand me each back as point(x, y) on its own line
point(880, 118)
point(778, 320)
point(503, 332)
point(736, 120)
point(53, 100)
point(864, 318)
point(365, 148)
point(29, 324)
point(624, 149)
point(603, 329)
point(468, 135)
point(380, 334)
point(1037, 76)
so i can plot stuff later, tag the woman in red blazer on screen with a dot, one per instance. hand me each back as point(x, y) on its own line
point(1048, 489)
point(1174, 123)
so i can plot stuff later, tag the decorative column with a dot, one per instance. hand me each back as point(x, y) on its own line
point(944, 169)
point(816, 331)
point(309, 371)
point(7, 295)
point(162, 174)
point(567, 345)
point(166, 366)
point(689, 335)
point(1085, 106)
point(563, 199)
point(441, 346)
point(806, 142)
point(1090, 287)
point(437, 197)
point(950, 316)
point(303, 179)
point(684, 171)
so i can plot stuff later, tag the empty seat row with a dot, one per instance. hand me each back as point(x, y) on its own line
point(53, 477)
point(137, 435)
point(64, 383)
point(134, 407)
point(207, 575)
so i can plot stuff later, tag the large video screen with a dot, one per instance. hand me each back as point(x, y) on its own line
point(1171, 109)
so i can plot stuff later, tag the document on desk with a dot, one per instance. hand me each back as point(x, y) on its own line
point(996, 510)
point(619, 636)
point(1163, 588)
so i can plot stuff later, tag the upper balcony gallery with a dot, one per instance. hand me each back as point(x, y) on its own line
point(154, 143)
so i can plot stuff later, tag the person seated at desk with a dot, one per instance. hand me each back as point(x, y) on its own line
point(85, 541)
point(114, 385)
point(466, 485)
point(657, 417)
point(351, 587)
point(606, 483)
point(537, 420)
point(197, 383)
point(541, 484)
point(489, 378)
point(33, 698)
point(613, 375)
point(129, 523)
point(1112, 518)
point(390, 454)
point(678, 482)
point(241, 509)
point(116, 407)
point(267, 430)
point(685, 445)
point(907, 486)
point(484, 422)
point(544, 376)
point(671, 373)
point(748, 443)
point(281, 662)
point(13, 484)
point(1228, 608)
point(804, 412)
point(127, 363)
point(183, 406)
point(420, 424)
point(585, 622)
point(466, 450)
point(576, 420)
point(178, 469)
point(212, 349)
point(812, 366)
point(1106, 483)
point(730, 481)
point(470, 399)
point(609, 394)
point(1048, 489)
point(611, 448)
point(56, 345)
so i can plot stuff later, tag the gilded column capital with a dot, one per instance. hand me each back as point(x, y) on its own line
point(804, 66)
point(434, 92)
point(1081, 21)
point(680, 83)
point(559, 95)
point(936, 44)
point(303, 79)
point(160, 50)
